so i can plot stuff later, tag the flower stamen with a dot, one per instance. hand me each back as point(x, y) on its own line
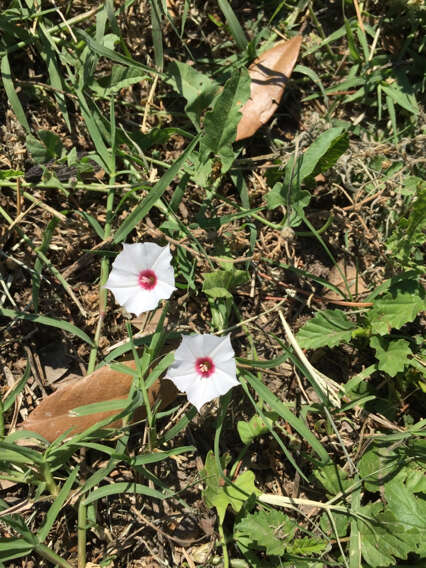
point(204, 366)
point(147, 279)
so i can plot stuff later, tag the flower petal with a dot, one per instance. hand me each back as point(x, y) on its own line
point(224, 382)
point(227, 367)
point(222, 351)
point(162, 260)
point(190, 348)
point(142, 301)
point(124, 295)
point(120, 278)
point(131, 258)
point(185, 382)
point(202, 392)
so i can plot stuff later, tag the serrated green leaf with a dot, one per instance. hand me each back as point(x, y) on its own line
point(378, 465)
point(220, 124)
point(341, 523)
point(265, 530)
point(402, 99)
point(333, 478)
point(407, 508)
point(198, 89)
point(392, 355)
point(49, 147)
point(293, 198)
point(219, 495)
point(255, 427)
point(9, 174)
point(384, 538)
point(327, 327)
point(329, 143)
point(307, 545)
point(218, 284)
point(396, 308)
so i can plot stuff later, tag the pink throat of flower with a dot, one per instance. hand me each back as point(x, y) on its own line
point(147, 279)
point(204, 366)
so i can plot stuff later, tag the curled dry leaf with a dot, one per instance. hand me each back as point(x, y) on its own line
point(52, 417)
point(269, 74)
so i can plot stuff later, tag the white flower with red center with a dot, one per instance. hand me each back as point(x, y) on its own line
point(141, 276)
point(204, 368)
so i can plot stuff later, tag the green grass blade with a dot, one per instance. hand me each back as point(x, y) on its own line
point(57, 505)
point(154, 195)
point(95, 407)
point(50, 58)
point(157, 35)
point(160, 456)
point(123, 487)
point(233, 24)
point(274, 434)
point(102, 51)
point(19, 387)
point(17, 454)
point(355, 543)
point(9, 87)
point(286, 414)
point(38, 264)
point(181, 425)
point(45, 320)
point(94, 131)
point(11, 548)
point(313, 76)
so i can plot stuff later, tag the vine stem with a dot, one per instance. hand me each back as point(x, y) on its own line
point(48, 478)
point(48, 554)
point(102, 291)
point(2, 430)
point(224, 547)
point(81, 532)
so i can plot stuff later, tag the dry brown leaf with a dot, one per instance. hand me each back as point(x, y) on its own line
point(52, 417)
point(354, 281)
point(269, 74)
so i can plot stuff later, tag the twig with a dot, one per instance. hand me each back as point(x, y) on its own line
point(329, 387)
point(358, 15)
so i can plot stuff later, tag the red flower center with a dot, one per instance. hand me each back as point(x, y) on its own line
point(147, 279)
point(204, 366)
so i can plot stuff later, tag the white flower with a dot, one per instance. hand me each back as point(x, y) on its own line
point(204, 368)
point(141, 276)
